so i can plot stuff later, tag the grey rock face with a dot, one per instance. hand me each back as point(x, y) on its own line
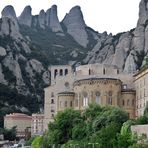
point(75, 25)
point(41, 19)
point(143, 12)
point(26, 47)
point(146, 40)
point(54, 23)
point(9, 24)
point(9, 27)
point(130, 66)
point(122, 49)
point(36, 65)
point(13, 66)
point(2, 51)
point(51, 19)
point(93, 52)
point(9, 12)
point(46, 77)
point(26, 17)
point(2, 79)
point(138, 39)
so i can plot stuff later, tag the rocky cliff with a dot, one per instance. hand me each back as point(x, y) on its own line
point(29, 44)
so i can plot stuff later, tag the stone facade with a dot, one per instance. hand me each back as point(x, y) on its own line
point(141, 86)
point(21, 121)
point(140, 129)
point(77, 87)
point(37, 124)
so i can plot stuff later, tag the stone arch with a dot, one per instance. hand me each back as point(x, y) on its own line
point(66, 72)
point(98, 98)
point(85, 98)
point(61, 72)
point(110, 93)
point(55, 73)
point(76, 100)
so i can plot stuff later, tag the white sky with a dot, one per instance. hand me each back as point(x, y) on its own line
point(102, 15)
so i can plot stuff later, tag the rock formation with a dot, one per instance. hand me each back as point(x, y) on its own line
point(41, 19)
point(54, 23)
point(29, 44)
point(75, 25)
point(26, 17)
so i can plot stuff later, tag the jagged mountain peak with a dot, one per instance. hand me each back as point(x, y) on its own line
point(143, 12)
point(75, 8)
point(26, 16)
point(54, 7)
point(9, 12)
point(52, 18)
point(75, 25)
point(27, 51)
point(76, 13)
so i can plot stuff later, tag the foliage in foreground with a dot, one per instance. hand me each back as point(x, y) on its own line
point(101, 127)
point(9, 134)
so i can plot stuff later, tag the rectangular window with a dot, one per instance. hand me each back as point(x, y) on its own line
point(110, 100)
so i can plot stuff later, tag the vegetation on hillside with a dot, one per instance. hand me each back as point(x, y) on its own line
point(11, 101)
point(54, 48)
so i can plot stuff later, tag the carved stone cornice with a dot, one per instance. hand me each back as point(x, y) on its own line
point(92, 81)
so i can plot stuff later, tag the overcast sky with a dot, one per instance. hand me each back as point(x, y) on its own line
point(102, 15)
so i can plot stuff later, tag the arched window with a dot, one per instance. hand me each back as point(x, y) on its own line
point(66, 72)
point(85, 99)
point(61, 104)
point(76, 100)
point(98, 99)
point(110, 97)
point(55, 73)
point(65, 103)
point(61, 72)
point(128, 102)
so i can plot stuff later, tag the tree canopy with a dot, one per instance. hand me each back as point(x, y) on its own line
point(98, 127)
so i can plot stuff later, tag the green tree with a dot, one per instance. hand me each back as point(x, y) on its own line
point(146, 61)
point(10, 134)
point(37, 142)
point(60, 131)
point(106, 136)
point(125, 138)
point(109, 115)
point(96, 124)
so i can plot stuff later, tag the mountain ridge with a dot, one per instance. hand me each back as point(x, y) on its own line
point(29, 44)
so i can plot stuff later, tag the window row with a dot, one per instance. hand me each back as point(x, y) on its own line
point(61, 72)
point(85, 101)
point(66, 104)
point(128, 102)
